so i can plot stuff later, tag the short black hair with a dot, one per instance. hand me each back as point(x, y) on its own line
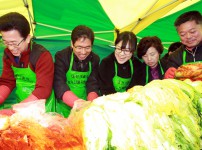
point(127, 37)
point(15, 21)
point(174, 46)
point(189, 16)
point(82, 31)
point(147, 42)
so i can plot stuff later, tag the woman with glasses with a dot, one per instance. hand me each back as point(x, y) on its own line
point(149, 49)
point(27, 66)
point(76, 71)
point(120, 70)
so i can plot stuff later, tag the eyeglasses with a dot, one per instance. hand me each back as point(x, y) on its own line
point(80, 48)
point(14, 44)
point(125, 51)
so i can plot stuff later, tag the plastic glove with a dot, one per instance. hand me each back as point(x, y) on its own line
point(91, 96)
point(7, 112)
point(69, 98)
point(170, 73)
point(30, 98)
point(4, 93)
point(78, 104)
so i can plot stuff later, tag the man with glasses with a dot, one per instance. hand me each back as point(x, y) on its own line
point(120, 70)
point(76, 71)
point(189, 29)
point(28, 67)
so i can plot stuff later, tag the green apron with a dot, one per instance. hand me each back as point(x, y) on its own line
point(77, 83)
point(25, 84)
point(121, 84)
point(147, 72)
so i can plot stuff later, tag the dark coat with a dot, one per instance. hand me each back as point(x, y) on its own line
point(62, 63)
point(107, 72)
point(176, 58)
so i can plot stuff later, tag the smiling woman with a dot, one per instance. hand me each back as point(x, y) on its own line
point(125, 51)
point(120, 70)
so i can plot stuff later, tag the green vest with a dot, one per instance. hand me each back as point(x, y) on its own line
point(77, 82)
point(121, 84)
point(25, 84)
point(147, 72)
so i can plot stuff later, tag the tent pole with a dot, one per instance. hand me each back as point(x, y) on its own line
point(62, 29)
point(29, 14)
point(101, 39)
point(57, 35)
point(49, 36)
point(46, 25)
point(146, 15)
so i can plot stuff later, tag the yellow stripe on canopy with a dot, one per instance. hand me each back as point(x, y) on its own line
point(131, 15)
point(124, 12)
point(158, 11)
point(181, 6)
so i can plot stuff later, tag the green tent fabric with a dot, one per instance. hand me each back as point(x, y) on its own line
point(164, 27)
point(52, 20)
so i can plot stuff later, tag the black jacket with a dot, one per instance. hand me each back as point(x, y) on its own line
point(107, 72)
point(176, 58)
point(62, 62)
point(164, 59)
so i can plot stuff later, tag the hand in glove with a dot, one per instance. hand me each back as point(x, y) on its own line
point(91, 96)
point(69, 98)
point(170, 73)
point(30, 98)
point(4, 93)
point(7, 112)
point(79, 104)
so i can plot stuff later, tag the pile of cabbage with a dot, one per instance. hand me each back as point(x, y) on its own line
point(164, 114)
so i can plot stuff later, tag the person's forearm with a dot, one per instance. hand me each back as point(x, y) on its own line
point(4, 93)
point(69, 98)
point(30, 98)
